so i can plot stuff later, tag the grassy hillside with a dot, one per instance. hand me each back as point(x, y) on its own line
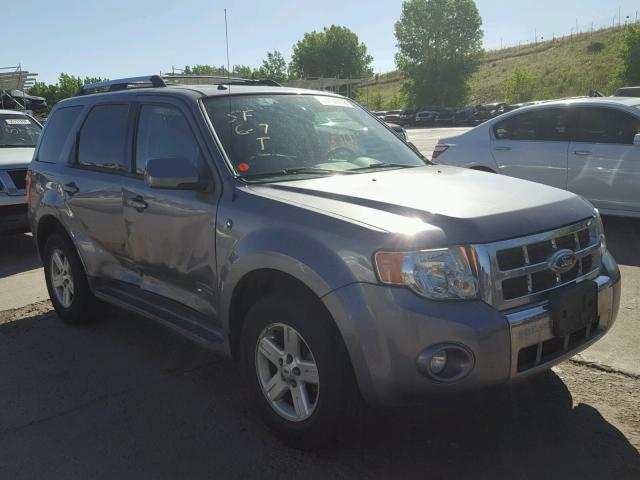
point(561, 68)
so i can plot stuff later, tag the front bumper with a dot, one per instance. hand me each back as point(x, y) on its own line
point(13, 214)
point(385, 329)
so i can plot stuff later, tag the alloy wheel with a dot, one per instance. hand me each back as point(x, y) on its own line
point(61, 278)
point(287, 372)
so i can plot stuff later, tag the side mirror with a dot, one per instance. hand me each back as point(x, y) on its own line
point(175, 173)
point(636, 139)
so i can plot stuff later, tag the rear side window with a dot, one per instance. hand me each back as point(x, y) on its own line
point(103, 138)
point(57, 132)
point(605, 125)
point(163, 132)
point(541, 125)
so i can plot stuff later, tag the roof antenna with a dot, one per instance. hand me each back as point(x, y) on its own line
point(226, 35)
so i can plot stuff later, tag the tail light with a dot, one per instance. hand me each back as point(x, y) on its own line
point(28, 186)
point(439, 149)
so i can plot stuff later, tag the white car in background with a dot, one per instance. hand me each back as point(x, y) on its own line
point(589, 146)
point(19, 134)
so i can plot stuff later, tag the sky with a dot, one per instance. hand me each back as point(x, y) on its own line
point(120, 38)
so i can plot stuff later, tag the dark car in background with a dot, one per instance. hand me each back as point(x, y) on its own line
point(393, 116)
point(627, 92)
point(426, 116)
point(407, 117)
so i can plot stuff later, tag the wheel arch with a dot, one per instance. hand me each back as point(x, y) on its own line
point(255, 285)
point(46, 226)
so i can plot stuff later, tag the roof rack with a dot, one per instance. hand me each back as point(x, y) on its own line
point(159, 81)
point(217, 80)
point(124, 83)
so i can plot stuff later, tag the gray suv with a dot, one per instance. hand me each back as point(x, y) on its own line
point(294, 231)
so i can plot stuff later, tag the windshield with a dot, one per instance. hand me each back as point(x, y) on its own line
point(277, 136)
point(18, 130)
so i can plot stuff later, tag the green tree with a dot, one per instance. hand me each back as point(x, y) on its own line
point(520, 87)
point(243, 71)
point(274, 67)
point(439, 47)
point(376, 102)
point(221, 71)
point(630, 53)
point(67, 86)
point(205, 70)
point(334, 52)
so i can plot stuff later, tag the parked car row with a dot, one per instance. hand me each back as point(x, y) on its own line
point(434, 116)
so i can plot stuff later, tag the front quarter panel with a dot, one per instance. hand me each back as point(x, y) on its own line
point(256, 232)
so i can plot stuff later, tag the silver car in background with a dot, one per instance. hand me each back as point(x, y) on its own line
point(19, 134)
point(589, 146)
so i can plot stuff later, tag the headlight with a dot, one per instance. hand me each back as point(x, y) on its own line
point(442, 274)
point(596, 231)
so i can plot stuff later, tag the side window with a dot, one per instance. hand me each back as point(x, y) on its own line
point(56, 133)
point(163, 132)
point(103, 138)
point(605, 125)
point(543, 125)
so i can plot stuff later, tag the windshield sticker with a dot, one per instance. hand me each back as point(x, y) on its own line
point(17, 121)
point(333, 101)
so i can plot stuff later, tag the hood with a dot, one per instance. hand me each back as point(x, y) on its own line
point(15, 157)
point(449, 205)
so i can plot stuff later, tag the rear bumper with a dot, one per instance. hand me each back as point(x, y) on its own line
point(386, 329)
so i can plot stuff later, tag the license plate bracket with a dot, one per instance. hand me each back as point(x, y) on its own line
point(573, 307)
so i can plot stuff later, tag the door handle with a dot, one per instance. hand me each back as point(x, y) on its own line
point(583, 153)
point(137, 203)
point(70, 188)
point(502, 148)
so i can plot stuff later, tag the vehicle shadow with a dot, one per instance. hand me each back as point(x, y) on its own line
point(17, 254)
point(623, 239)
point(531, 430)
point(126, 398)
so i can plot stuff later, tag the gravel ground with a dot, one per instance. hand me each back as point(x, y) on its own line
point(125, 398)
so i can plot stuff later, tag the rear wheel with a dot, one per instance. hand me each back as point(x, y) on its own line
point(66, 281)
point(300, 374)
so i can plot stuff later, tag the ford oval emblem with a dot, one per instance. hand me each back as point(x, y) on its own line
point(562, 261)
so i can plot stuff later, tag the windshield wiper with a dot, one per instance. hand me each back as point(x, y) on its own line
point(382, 165)
point(295, 171)
point(7, 145)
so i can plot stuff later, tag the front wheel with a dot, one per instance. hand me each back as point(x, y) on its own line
point(301, 379)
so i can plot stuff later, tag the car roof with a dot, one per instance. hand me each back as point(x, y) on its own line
point(619, 101)
point(194, 92)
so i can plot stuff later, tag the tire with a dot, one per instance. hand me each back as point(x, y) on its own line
point(62, 267)
point(330, 402)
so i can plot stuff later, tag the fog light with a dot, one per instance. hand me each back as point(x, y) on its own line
point(445, 362)
point(438, 362)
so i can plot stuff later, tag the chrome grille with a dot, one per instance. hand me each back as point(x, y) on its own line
point(518, 272)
